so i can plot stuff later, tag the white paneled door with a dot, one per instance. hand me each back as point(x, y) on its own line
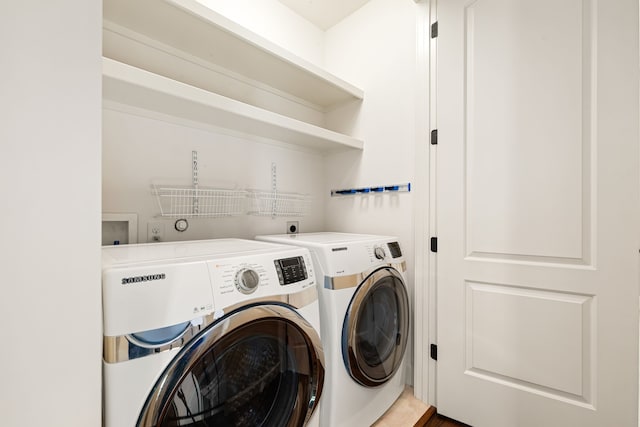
point(537, 212)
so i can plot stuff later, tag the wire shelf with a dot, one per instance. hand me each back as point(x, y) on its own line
point(201, 202)
point(276, 203)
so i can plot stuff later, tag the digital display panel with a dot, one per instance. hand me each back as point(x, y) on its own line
point(291, 270)
point(289, 262)
point(394, 248)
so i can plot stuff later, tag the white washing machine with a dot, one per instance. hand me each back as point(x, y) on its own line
point(364, 312)
point(216, 332)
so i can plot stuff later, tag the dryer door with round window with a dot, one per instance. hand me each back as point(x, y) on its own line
point(376, 328)
point(260, 365)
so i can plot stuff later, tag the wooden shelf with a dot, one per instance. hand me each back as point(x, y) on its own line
point(193, 28)
point(138, 88)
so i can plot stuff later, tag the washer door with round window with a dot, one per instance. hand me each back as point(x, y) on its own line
point(261, 365)
point(376, 328)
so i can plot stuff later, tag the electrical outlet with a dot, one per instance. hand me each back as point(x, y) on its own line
point(292, 227)
point(155, 231)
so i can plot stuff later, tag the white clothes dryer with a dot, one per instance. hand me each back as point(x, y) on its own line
point(217, 332)
point(364, 312)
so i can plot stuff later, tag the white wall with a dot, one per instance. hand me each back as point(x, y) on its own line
point(139, 151)
point(375, 49)
point(50, 79)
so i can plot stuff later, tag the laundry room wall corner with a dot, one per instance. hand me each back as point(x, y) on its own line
point(386, 123)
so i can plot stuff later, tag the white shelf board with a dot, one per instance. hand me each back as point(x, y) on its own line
point(138, 88)
point(194, 28)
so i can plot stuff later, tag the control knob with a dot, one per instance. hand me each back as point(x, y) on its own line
point(247, 280)
point(379, 252)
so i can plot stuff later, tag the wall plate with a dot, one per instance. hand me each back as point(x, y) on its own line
point(119, 228)
point(293, 227)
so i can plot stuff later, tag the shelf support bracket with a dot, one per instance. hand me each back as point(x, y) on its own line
point(195, 208)
point(274, 188)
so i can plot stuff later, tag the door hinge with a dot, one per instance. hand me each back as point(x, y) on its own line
point(434, 137)
point(434, 30)
point(434, 351)
point(434, 244)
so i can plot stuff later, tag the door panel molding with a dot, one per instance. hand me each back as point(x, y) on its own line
point(508, 339)
point(528, 193)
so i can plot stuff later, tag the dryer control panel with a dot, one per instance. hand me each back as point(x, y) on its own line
point(355, 257)
point(383, 251)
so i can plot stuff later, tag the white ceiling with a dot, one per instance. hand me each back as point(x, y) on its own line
point(324, 13)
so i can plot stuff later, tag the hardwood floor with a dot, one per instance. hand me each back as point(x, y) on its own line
point(440, 421)
point(436, 420)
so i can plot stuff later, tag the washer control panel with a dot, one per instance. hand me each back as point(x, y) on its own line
point(238, 279)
